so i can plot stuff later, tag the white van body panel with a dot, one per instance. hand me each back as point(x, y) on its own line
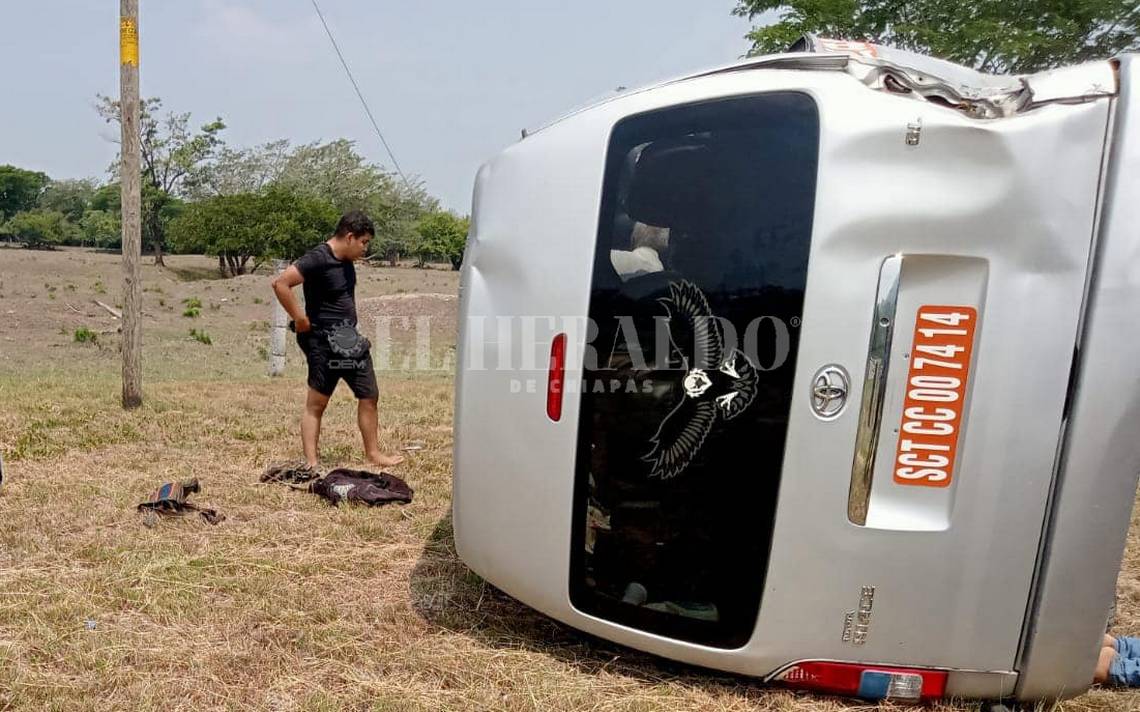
point(1096, 485)
point(1000, 213)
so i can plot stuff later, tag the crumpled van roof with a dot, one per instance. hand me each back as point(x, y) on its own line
point(925, 78)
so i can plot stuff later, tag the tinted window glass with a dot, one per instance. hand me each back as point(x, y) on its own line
point(698, 287)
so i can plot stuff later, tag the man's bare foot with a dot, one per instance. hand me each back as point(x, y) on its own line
point(384, 460)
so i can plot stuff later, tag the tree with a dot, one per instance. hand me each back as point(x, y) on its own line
point(40, 229)
point(990, 35)
point(174, 161)
point(336, 173)
point(108, 198)
point(442, 236)
point(295, 223)
point(101, 228)
point(252, 227)
point(20, 190)
point(70, 197)
point(396, 211)
point(241, 170)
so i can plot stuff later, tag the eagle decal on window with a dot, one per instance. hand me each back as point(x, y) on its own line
point(717, 385)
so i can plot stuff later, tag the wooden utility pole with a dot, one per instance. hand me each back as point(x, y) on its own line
point(131, 183)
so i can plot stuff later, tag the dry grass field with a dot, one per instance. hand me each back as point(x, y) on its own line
point(289, 604)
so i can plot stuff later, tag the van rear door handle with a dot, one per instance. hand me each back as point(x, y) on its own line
point(874, 390)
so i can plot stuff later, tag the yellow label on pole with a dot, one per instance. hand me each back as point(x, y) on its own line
point(129, 41)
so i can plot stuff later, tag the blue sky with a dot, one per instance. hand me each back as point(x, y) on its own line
point(450, 83)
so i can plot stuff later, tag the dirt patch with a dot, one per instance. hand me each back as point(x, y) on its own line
point(418, 331)
point(440, 310)
point(47, 296)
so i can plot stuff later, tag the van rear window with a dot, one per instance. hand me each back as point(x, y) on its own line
point(698, 289)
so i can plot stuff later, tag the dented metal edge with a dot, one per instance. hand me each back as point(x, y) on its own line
point(904, 73)
point(1079, 83)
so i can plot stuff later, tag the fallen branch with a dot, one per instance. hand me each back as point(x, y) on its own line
point(72, 307)
point(113, 311)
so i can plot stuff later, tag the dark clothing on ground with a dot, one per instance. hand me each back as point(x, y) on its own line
point(327, 367)
point(329, 287)
point(344, 485)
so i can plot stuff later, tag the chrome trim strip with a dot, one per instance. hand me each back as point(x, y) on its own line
point(874, 390)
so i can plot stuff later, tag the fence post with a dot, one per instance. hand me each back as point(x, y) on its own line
point(278, 331)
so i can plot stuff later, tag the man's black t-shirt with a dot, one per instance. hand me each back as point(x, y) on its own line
point(329, 287)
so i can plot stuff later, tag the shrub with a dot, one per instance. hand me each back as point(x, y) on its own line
point(442, 236)
point(193, 307)
point(40, 229)
point(83, 335)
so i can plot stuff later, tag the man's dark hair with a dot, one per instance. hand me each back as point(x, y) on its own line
point(355, 222)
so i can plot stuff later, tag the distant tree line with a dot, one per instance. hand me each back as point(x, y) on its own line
point(42, 213)
point(241, 205)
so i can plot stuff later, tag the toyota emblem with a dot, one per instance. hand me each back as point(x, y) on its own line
point(829, 389)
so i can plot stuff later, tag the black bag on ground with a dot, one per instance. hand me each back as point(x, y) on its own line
point(344, 485)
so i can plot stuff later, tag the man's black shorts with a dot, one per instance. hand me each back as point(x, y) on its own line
point(326, 367)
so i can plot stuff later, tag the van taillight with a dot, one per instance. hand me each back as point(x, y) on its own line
point(869, 682)
point(557, 377)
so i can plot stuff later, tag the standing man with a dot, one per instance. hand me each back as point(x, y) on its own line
point(327, 333)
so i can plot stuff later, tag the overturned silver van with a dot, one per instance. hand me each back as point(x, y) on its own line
point(822, 368)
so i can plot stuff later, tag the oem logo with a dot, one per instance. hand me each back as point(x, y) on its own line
point(346, 341)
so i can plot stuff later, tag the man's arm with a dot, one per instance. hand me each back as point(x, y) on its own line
point(283, 287)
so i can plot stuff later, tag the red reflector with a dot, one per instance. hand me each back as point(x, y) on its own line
point(874, 682)
point(557, 378)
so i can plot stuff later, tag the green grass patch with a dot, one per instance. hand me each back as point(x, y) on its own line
point(83, 335)
point(201, 337)
point(193, 307)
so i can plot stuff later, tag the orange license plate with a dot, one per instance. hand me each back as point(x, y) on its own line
point(935, 395)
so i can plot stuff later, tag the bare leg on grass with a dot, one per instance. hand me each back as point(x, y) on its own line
point(367, 421)
point(315, 403)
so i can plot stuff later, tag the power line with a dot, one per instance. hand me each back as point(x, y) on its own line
point(360, 94)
